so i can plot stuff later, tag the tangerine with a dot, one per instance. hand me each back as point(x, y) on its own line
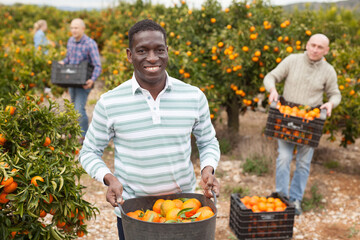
point(205, 213)
point(166, 206)
point(172, 214)
point(11, 188)
point(35, 179)
point(157, 205)
point(193, 204)
point(7, 182)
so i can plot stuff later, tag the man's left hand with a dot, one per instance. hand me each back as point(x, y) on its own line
point(209, 182)
point(328, 106)
point(89, 84)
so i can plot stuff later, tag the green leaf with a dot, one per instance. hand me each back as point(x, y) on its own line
point(170, 221)
point(54, 185)
point(185, 210)
point(61, 183)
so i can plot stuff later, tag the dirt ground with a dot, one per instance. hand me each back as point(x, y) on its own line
point(339, 186)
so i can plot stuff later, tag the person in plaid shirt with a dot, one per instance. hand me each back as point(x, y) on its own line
point(82, 48)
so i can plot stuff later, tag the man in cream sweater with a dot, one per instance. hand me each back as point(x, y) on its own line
point(307, 77)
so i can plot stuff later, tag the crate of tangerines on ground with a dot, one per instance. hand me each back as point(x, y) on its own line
point(302, 125)
point(254, 217)
point(171, 217)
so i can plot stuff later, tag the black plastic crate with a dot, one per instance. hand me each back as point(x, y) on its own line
point(294, 129)
point(247, 224)
point(71, 75)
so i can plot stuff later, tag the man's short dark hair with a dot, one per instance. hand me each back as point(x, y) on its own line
point(145, 25)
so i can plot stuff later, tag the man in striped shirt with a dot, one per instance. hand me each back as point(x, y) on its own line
point(82, 48)
point(151, 118)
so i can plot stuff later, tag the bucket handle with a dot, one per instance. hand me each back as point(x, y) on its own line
point(120, 207)
point(214, 195)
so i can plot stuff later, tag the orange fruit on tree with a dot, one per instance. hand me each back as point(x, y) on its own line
point(42, 214)
point(60, 224)
point(52, 211)
point(10, 109)
point(157, 205)
point(3, 198)
point(7, 182)
point(11, 188)
point(80, 233)
point(35, 179)
point(81, 216)
point(2, 139)
point(47, 142)
point(166, 206)
point(51, 198)
point(172, 214)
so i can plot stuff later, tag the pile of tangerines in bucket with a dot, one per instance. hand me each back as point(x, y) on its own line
point(178, 210)
point(263, 204)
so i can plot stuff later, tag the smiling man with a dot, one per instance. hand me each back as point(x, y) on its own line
point(151, 118)
point(307, 77)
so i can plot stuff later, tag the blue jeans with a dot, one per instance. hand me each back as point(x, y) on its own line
point(303, 161)
point(79, 97)
point(120, 229)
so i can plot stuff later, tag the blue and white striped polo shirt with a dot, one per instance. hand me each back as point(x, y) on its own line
point(152, 138)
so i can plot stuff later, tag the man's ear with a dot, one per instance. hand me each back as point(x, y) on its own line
point(129, 55)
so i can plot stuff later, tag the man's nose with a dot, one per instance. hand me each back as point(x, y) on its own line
point(152, 56)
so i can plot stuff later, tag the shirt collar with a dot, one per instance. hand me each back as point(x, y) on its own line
point(136, 87)
point(82, 39)
point(307, 59)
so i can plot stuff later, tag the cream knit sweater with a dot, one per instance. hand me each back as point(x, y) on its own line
point(305, 80)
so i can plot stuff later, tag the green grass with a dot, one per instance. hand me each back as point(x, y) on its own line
point(228, 189)
point(314, 202)
point(332, 164)
point(258, 165)
point(225, 146)
point(352, 232)
point(92, 101)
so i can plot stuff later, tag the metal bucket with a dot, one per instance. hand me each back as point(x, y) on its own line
point(135, 229)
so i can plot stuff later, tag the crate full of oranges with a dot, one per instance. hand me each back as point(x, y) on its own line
point(295, 123)
point(256, 217)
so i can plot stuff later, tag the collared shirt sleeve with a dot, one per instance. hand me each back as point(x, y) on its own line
point(95, 59)
point(205, 135)
point(96, 140)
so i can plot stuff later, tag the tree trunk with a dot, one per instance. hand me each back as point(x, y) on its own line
point(232, 109)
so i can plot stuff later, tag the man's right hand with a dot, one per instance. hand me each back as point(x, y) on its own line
point(61, 62)
point(115, 189)
point(273, 96)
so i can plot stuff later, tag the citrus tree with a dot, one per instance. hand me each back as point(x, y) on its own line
point(40, 192)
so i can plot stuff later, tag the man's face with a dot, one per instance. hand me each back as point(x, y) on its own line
point(77, 30)
point(317, 47)
point(149, 56)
